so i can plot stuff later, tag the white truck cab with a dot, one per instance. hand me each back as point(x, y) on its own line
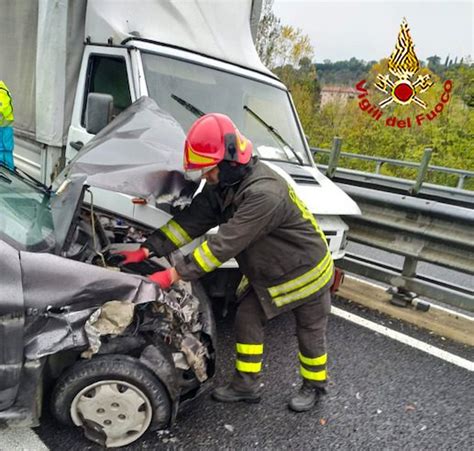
point(182, 83)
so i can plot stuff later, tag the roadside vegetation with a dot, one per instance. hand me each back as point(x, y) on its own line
point(288, 53)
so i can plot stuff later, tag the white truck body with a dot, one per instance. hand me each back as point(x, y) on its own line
point(201, 52)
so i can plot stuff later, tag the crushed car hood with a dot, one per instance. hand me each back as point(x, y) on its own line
point(139, 153)
point(58, 295)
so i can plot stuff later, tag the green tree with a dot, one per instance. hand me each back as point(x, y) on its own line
point(268, 32)
point(279, 45)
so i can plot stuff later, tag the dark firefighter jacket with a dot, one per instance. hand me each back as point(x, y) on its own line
point(276, 241)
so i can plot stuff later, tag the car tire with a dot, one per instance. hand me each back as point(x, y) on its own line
point(115, 398)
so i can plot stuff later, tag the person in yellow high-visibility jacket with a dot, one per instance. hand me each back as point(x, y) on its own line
point(6, 130)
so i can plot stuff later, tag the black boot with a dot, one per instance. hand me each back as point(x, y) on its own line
point(229, 394)
point(306, 398)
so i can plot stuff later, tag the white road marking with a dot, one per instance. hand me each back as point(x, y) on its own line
point(23, 439)
point(405, 339)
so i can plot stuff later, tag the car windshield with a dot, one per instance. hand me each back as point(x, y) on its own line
point(185, 90)
point(25, 214)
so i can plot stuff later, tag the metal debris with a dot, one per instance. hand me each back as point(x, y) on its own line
point(229, 427)
point(196, 355)
point(180, 361)
point(173, 318)
point(111, 319)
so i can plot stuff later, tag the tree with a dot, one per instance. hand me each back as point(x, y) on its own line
point(292, 46)
point(433, 62)
point(268, 32)
point(346, 73)
point(278, 45)
point(289, 53)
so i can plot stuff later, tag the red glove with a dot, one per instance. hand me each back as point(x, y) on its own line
point(163, 278)
point(134, 256)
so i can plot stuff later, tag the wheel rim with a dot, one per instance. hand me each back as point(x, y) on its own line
point(122, 409)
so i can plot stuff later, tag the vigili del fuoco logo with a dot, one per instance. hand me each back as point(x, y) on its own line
point(403, 85)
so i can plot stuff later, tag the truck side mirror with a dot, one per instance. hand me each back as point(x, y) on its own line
point(98, 111)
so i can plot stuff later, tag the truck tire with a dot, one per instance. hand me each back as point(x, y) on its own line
point(114, 398)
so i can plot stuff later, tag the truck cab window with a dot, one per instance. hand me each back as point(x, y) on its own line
point(108, 75)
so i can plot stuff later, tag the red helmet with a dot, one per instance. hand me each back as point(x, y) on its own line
point(212, 139)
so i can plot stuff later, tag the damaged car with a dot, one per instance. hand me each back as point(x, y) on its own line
point(111, 351)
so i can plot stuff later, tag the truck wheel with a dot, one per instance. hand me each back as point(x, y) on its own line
point(114, 398)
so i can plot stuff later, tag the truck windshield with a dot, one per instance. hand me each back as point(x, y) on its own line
point(25, 214)
point(185, 89)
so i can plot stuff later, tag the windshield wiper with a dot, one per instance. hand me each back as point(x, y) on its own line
point(190, 107)
point(274, 133)
point(24, 175)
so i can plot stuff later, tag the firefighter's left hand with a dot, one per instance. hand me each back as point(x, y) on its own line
point(165, 278)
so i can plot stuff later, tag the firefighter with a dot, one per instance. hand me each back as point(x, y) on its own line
point(6, 129)
point(276, 241)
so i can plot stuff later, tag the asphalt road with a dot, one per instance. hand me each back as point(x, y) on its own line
point(383, 395)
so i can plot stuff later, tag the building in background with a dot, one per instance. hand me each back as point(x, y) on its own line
point(337, 94)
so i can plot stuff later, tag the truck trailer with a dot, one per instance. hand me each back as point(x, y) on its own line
point(191, 58)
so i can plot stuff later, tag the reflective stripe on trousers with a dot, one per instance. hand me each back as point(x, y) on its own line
point(313, 368)
point(249, 357)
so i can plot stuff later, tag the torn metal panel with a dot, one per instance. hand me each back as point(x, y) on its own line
point(196, 355)
point(111, 319)
point(52, 281)
point(139, 153)
point(180, 361)
point(171, 320)
point(58, 296)
point(65, 205)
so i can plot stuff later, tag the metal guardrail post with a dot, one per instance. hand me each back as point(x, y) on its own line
point(460, 184)
point(334, 157)
point(400, 295)
point(422, 170)
point(409, 267)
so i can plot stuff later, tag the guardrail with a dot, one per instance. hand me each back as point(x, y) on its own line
point(423, 167)
point(418, 230)
point(419, 222)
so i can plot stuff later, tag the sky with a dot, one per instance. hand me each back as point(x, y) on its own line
point(368, 30)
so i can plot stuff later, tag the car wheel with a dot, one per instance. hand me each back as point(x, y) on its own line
point(114, 398)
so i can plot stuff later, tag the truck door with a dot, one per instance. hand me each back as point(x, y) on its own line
point(104, 70)
point(107, 70)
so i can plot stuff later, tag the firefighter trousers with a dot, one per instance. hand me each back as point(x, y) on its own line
point(311, 322)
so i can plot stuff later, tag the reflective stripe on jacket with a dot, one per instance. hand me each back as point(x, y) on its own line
point(266, 227)
point(6, 106)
